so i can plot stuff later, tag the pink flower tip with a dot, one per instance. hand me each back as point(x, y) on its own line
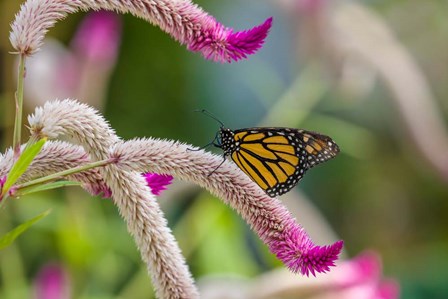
point(317, 259)
point(296, 250)
point(222, 44)
point(157, 182)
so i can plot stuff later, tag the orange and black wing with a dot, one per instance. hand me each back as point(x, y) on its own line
point(277, 158)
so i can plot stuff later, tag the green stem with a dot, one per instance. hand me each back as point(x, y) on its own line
point(19, 107)
point(64, 173)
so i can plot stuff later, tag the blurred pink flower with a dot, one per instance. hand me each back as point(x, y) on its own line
point(360, 277)
point(98, 37)
point(51, 283)
point(157, 182)
point(310, 6)
point(81, 71)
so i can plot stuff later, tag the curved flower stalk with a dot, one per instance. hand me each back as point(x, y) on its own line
point(184, 21)
point(130, 193)
point(55, 157)
point(267, 216)
point(58, 156)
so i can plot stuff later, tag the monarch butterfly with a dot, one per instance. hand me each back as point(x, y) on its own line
point(274, 158)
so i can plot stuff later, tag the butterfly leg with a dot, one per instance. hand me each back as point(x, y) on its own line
point(223, 160)
point(213, 142)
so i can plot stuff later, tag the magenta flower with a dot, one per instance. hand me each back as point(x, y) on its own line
point(51, 283)
point(221, 44)
point(298, 252)
point(157, 182)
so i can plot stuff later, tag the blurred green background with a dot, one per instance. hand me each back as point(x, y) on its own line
point(383, 192)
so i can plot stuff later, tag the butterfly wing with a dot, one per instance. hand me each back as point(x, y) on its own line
point(277, 158)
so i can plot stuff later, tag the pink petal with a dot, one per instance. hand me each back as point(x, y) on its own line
point(157, 182)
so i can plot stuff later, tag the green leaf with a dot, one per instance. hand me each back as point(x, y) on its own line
point(49, 186)
point(22, 164)
point(7, 239)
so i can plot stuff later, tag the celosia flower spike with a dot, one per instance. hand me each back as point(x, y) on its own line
point(300, 255)
point(58, 156)
point(157, 182)
point(137, 205)
point(183, 20)
point(267, 216)
point(228, 45)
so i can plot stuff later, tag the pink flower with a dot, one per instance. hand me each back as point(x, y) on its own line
point(98, 37)
point(80, 71)
point(266, 215)
point(360, 277)
point(51, 283)
point(298, 252)
point(183, 20)
point(157, 182)
point(221, 44)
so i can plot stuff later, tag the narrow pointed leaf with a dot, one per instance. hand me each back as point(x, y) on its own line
point(49, 186)
point(9, 238)
point(22, 164)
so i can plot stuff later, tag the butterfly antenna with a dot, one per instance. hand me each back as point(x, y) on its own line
point(209, 114)
point(202, 147)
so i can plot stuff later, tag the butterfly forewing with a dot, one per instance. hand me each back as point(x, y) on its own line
point(276, 158)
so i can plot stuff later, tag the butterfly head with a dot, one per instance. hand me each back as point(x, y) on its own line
point(225, 140)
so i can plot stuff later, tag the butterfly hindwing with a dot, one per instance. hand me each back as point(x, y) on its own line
point(276, 158)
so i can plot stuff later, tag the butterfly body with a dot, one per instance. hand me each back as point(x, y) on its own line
point(276, 158)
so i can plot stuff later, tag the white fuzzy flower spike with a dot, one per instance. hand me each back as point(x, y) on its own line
point(268, 217)
point(130, 193)
point(58, 156)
